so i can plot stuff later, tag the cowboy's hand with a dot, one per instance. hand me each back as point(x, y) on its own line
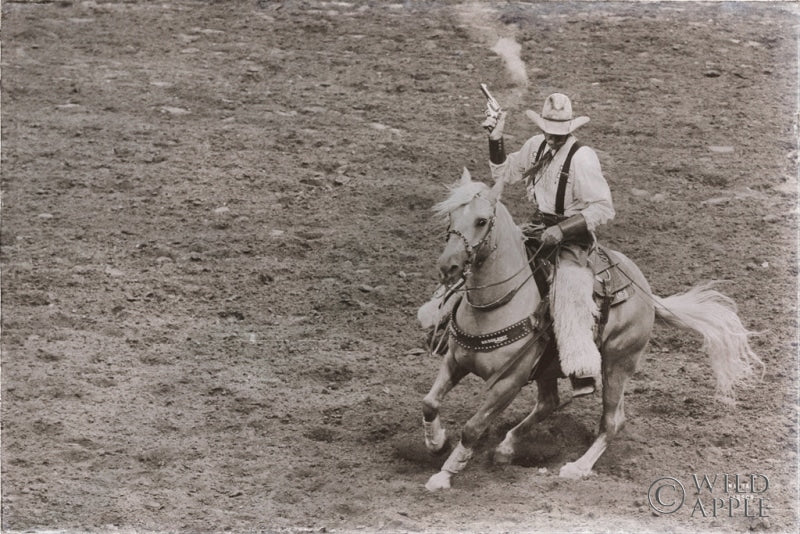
point(552, 236)
point(530, 229)
point(495, 125)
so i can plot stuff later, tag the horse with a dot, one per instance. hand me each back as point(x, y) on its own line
point(485, 252)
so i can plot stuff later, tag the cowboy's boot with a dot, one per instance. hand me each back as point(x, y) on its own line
point(582, 385)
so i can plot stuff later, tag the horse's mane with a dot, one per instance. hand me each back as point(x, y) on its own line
point(460, 194)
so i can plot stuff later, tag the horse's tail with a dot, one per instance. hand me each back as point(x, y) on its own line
point(725, 339)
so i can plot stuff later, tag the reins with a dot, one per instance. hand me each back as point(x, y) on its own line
point(505, 299)
point(472, 251)
point(455, 288)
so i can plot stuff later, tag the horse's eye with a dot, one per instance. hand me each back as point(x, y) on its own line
point(481, 222)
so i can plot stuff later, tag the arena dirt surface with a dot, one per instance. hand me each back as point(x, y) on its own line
point(216, 231)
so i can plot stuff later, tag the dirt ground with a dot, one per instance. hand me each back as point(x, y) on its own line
point(216, 231)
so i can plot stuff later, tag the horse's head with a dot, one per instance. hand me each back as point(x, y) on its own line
point(471, 210)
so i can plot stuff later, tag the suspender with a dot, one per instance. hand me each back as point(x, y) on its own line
point(563, 175)
point(562, 180)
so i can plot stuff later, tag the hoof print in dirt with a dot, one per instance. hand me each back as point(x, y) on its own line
point(413, 450)
point(231, 315)
point(382, 431)
point(322, 434)
point(531, 453)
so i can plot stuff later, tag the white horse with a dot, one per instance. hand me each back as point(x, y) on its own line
point(504, 346)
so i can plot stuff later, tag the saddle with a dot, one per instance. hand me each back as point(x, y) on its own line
point(611, 286)
point(609, 281)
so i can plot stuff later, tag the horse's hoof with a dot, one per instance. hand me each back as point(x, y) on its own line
point(504, 453)
point(435, 436)
point(439, 481)
point(572, 471)
point(436, 446)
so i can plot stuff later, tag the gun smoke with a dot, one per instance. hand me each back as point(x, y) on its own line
point(509, 50)
point(481, 24)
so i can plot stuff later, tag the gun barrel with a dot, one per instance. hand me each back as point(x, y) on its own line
point(486, 92)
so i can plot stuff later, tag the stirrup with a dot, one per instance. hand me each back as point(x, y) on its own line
point(582, 385)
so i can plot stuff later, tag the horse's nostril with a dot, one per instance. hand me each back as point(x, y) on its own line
point(449, 269)
point(448, 272)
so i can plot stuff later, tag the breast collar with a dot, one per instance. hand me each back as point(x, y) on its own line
point(493, 340)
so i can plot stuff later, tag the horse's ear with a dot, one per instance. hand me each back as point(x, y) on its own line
point(466, 177)
point(496, 192)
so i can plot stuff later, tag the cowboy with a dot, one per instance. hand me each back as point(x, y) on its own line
point(572, 198)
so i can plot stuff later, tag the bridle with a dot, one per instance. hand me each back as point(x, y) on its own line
point(472, 250)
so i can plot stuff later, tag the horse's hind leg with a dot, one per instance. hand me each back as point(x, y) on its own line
point(450, 373)
point(546, 404)
point(615, 376)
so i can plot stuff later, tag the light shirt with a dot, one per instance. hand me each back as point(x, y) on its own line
point(587, 191)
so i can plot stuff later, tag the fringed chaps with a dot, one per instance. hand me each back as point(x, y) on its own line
point(574, 312)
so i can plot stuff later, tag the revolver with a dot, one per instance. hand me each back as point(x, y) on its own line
point(493, 108)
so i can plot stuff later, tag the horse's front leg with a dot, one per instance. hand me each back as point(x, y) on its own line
point(497, 399)
point(450, 373)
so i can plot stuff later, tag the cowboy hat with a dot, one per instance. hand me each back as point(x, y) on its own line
point(556, 117)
